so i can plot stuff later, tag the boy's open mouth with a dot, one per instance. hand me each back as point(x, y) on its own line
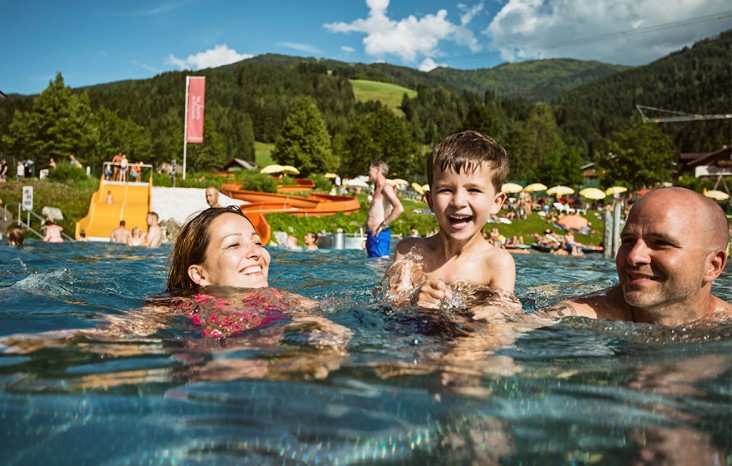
point(459, 221)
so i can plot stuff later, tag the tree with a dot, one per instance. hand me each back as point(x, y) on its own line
point(304, 141)
point(209, 155)
point(639, 157)
point(380, 135)
point(58, 125)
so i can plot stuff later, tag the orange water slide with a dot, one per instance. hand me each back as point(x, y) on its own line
point(129, 202)
point(315, 204)
point(259, 203)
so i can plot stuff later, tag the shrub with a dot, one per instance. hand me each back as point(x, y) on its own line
point(66, 172)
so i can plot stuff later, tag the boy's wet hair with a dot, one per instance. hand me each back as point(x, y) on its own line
point(466, 151)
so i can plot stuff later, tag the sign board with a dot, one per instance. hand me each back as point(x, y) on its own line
point(28, 197)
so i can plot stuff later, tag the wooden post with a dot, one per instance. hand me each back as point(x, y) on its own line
point(607, 237)
point(616, 227)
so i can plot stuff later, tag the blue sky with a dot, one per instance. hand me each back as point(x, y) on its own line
point(93, 42)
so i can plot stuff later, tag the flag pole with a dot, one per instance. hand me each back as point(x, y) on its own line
point(185, 129)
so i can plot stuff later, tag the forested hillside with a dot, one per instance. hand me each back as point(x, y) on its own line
point(534, 81)
point(278, 99)
point(696, 81)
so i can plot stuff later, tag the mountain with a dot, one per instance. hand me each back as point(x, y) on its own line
point(534, 81)
point(693, 80)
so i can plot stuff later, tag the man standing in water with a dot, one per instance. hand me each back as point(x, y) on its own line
point(673, 247)
point(154, 233)
point(385, 208)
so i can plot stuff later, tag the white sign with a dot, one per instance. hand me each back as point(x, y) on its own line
point(28, 197)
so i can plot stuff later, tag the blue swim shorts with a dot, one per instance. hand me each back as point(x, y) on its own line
point(378, 246)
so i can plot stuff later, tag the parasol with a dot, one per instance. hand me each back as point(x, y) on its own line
point(560, 190)
point(511, 188)
point(573, 222)
point(535, 188)
point(593, 193)
point(611, 191)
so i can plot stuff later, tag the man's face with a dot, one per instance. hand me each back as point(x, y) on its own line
point(373, 172)
point(662, 258)
point(212, 197)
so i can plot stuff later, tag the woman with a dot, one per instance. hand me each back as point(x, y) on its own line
point(219, 273)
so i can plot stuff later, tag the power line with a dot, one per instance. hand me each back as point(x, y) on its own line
point(615, 35)
point(642, 30)
point(680, 116)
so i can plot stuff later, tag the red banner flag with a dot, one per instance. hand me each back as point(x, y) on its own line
point(194, 123)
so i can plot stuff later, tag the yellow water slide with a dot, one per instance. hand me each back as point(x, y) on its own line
point(130, 201)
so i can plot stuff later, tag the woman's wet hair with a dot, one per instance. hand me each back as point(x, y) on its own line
point(191, 245)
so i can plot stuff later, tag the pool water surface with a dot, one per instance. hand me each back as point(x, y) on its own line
point(578, 392)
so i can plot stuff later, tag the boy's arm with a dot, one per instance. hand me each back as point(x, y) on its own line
point(503, 273)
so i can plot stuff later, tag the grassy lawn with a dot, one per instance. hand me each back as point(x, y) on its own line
point(73, 200)
point(263, 153)
point(388, 94)
point(425, 223)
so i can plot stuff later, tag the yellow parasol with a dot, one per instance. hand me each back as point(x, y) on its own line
point(418, 187)
point(593, 193)
point(560, 190)
point(535, 188)
point(274, 168)
point(716, 195)
point(615, 190)
point(511, 188)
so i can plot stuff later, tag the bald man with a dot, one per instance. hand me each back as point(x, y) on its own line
point(212, 197)
point(673, 247)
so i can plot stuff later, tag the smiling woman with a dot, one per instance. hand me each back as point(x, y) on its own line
point(218, 279)
point(218, 247)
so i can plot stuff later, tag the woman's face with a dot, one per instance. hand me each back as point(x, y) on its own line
point(234, 257)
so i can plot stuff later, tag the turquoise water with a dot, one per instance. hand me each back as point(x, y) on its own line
point(580, 392)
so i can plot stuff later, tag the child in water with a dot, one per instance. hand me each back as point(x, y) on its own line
point(465, 174)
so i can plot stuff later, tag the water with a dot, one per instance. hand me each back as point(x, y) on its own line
point(583, 392)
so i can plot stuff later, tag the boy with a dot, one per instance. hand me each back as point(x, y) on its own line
point(465, 174)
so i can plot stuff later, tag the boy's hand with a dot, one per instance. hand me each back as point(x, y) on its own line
point(431, 294)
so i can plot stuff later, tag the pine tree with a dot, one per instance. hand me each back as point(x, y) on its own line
point(304, 142)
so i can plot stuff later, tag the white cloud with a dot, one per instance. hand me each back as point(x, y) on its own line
point(347, 49)
point(410, 38)
point(218, 56)
point(307, 48)
point(613, 31)
point(429, 64)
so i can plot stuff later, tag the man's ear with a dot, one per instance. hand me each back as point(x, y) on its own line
point(197, 275)
point(715, 265)
point(498, 202)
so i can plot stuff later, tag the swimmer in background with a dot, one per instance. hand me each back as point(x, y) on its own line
point(120, 234)
point(154, 235)
point(15, 235)
point(135, 238)
point(53, 232)
point(212, 197)
point(465, 174)
point(311, 241)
